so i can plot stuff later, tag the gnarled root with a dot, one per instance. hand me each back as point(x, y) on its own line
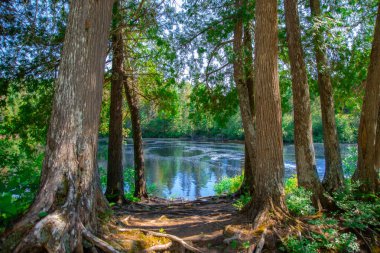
point(54, 233)
point(96, 241)
point(173, 238)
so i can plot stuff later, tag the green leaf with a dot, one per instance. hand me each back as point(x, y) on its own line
point(42, 214)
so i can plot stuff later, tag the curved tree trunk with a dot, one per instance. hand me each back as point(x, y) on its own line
point(133, 104)
point(333, 178)
point(303, 133)
point(268, 173)
point(115, 177)
point(367, 172)
point(66, 204)
point(247, 184)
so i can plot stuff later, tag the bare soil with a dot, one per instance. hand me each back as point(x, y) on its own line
point(210, 224)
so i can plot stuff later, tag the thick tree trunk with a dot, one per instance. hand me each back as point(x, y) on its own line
point(66, 204)
point(268, 173)
point(333, 178)
point(115, 177)
point(133, 104)
point(247, 184)
point(367, 172)
point(303, 133)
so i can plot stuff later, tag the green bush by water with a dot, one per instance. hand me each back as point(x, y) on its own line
point(228, 185)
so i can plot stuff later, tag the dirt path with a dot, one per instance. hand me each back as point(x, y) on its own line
point(201, 222)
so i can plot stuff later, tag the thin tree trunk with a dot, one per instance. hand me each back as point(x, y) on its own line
point(377, 152)
point(66, 203)
point(268, 173)
point(243, 91)
point(247, 184)
point(333, 178)
point(115, 177)
point(133, 104)
point(303, 133)
point(367, 173)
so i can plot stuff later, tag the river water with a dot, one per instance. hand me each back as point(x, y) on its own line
point(190, 169)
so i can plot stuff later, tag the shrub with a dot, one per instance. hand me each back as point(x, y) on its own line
point(299, 202)
point(242, 201)
point(359, 210)
point(228, 185)
point(291, 184)
point(328, 240)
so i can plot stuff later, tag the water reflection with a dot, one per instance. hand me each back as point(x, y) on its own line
point(189, 169)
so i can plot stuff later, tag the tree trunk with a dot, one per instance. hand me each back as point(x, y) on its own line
point(133, 104)
point(247, 185)
point(333, 178)
point(303, 133)
point(268, 173)
point(367, 173)
point(377, 152)
point(243, 92)
point(66, 204)
point(115, 177)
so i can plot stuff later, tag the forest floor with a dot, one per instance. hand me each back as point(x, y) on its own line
point(209, 224)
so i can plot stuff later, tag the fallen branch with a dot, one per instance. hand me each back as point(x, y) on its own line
point(158, 247)
point(104, 246)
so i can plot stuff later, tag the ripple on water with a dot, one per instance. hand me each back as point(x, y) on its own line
point(190, 169)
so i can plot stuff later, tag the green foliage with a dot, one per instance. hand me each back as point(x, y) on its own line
point(330, 239)
point(298, 199)
point(359, 210)
point(299, 202)
point(291, 184)
point(288, 128)
point(350, 162)
point(242, 201)
point(228, 185)
point(24, 118)
point(19, 175)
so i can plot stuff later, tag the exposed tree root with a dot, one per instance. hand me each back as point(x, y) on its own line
point(104, 246)
point(160, 247)
point(261, 243)
point(174, 238)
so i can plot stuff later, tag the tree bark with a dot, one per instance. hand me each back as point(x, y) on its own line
point(377, 154)
point(303, 133)
point(367, 172)
point(115, 177)
point(69, 192)
point(247, 185)
point(333, 178)
point(243, 92)
point(268, 173)
point(133, 104)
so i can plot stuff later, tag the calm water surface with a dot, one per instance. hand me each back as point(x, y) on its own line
point(189, 169)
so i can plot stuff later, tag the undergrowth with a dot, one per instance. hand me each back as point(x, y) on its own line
point(327, 232)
